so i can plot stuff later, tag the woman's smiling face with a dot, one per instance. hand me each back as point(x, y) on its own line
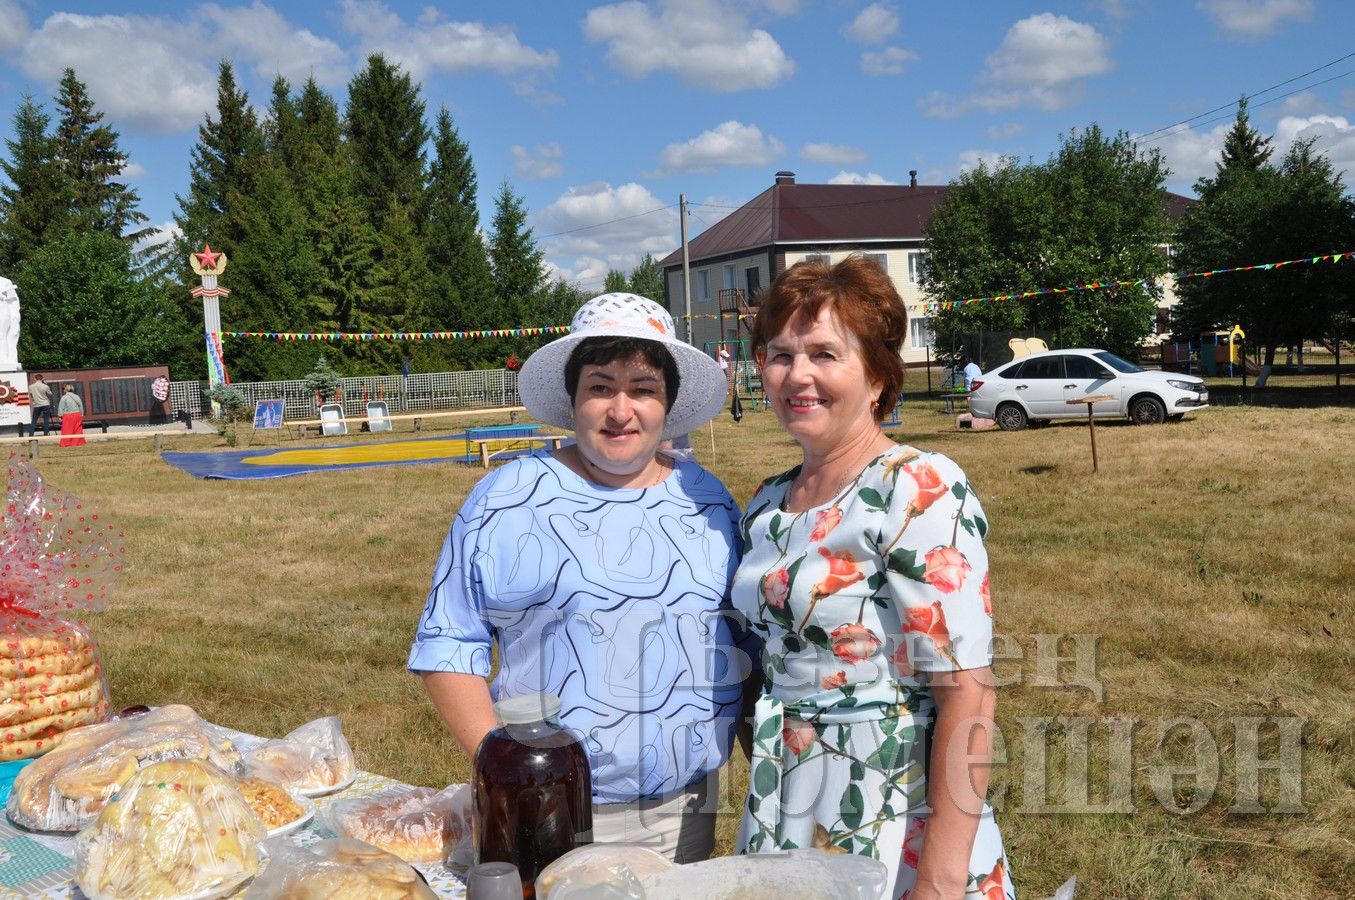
point(619, 414)
point(817, 383)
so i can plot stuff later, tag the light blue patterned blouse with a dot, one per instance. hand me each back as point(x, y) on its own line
point(614, 599)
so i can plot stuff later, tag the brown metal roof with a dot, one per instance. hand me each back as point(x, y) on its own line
point(833, 214)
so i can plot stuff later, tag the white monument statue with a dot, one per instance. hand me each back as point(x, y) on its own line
point(9, 327)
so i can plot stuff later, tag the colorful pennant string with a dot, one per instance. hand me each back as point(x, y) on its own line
point(1101, 285)
point(396, 335)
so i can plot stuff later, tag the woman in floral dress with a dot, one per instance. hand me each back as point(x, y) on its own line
point(865, 573)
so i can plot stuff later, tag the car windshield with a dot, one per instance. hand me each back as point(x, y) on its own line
point(1119, 365)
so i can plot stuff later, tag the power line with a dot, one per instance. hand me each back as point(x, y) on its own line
point(1161, 136)
point(608, 222)
point(1209, 112)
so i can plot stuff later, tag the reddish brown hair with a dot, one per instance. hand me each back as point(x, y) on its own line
point(864, 300)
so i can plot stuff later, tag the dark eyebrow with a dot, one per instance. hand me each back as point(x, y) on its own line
point(597, 372)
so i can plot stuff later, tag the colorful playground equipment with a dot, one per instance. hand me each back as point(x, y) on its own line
point(1216, 353)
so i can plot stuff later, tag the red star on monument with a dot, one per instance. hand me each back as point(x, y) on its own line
point(207, 258)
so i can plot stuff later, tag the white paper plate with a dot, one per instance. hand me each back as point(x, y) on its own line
point(323, 790)
point(307, 813)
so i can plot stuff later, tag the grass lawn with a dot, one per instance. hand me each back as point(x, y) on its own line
point(1208, 569)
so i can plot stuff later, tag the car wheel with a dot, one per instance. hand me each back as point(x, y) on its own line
point(1176, 417)
point(1147, 411)
point(1011, 417)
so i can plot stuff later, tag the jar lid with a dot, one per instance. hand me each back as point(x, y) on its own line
point(526, 708)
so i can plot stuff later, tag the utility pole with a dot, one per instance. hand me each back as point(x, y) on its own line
point(686, 267)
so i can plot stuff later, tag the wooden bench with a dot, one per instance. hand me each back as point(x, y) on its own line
point(515, 444)
point(303, 426)
point(34, 440)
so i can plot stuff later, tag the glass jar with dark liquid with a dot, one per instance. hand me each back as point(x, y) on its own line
point(532, 789)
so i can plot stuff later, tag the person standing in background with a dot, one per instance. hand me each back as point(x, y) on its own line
point(40, 399)
point(971, 372)
point(71, 409)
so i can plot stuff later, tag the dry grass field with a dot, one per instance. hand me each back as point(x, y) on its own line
point(1207, 568)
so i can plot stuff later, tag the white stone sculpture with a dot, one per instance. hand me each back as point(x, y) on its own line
point(9, 327)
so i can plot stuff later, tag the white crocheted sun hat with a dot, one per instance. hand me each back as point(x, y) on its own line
point(541, 383)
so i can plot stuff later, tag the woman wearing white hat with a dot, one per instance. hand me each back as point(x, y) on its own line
point(601, 573)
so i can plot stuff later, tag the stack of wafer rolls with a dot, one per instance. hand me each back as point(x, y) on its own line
point(50, 682)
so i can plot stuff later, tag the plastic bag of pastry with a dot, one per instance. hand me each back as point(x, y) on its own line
point(178, 829)
point(59, 562)
point(418, 825)
point(337, 869)
point(588, 870)
point(803, 874)
point(65, 789)
point(312, 760)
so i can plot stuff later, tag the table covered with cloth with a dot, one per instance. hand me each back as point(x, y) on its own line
point(42, 865)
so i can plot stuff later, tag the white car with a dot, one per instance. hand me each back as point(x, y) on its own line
point(1039, 387)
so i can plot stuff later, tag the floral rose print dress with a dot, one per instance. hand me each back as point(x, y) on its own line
point(856, 601)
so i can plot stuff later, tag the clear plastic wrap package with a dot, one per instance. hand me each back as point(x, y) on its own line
point(178, 829)
point(313, 759)
point(65, 789)
point(601, 871)
point(802, 874)
point(58, 561)
point(337, 869)
point(417, 825)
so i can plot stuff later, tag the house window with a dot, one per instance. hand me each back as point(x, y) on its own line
point(702, 286)
point(915, 266)
point(728, 283)
point(880, 260)
point(920, 333)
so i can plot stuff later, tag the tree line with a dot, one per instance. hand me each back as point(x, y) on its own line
point(364, 219)
point(1096, 211)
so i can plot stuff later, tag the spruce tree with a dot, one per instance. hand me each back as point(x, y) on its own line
point(224, 166)
point(386, 134)
point(33, 204)
point(516, 261)
point(91, 161)
point(462, 292)
point(615, 281)
point(1243, 146)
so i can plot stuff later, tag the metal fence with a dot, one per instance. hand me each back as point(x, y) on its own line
point(434, 390)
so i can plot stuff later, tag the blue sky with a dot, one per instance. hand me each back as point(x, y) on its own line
point(601, 114)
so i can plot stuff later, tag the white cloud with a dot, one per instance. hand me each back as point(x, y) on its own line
point(706, 43)
point(1042, 62)
point(1254, 19)
point(1191, 154)
point(874, 24)
point(889, 61)
point(858, 178)
point(727, 144)
point(142, 72)
point(1300, 103)
point(437, 43)
point(158, 235)
point(635, 222)
point(1005, 130)
point(1333, 136)
point(833, 154)
point(543, 162)
point(969, 160)
point(132, 171)
point(13, 25)
point(152, 73)
point(260, 35)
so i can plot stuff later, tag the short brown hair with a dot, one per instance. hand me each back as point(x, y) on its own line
point(864, 300)
point(599, 351)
